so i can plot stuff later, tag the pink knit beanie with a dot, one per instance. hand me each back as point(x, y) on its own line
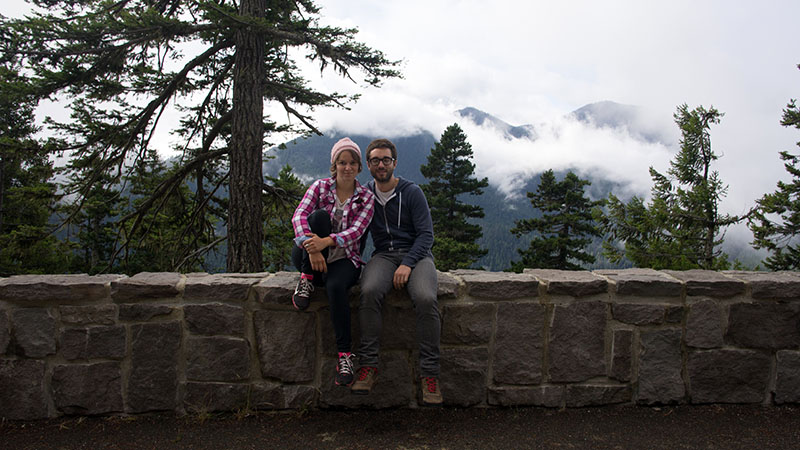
point(344, 144)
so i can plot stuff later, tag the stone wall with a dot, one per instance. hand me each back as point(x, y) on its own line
point(110, 344)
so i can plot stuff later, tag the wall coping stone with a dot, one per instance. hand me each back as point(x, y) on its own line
point(709, 283)
point(61, 288)
point(220, 286)
point(503, 285)
point(570, 282)
point(644, 282)
point(146, 285)
point(773, 285)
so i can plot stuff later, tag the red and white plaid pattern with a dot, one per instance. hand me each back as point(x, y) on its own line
point(356, 218)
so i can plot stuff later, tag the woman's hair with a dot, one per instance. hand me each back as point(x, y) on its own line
point(355, 156)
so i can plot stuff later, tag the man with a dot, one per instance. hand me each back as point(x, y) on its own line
point(402, 231)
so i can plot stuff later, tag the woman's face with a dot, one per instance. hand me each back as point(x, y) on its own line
point(346, 166)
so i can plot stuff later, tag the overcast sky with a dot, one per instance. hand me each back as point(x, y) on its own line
point(533, 62)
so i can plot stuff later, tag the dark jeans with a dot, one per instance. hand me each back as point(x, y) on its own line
point(341, 276)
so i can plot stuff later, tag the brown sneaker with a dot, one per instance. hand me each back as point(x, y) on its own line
point(364, 380)
point(431, 394)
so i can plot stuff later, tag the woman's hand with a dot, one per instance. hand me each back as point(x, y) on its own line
point(316, 244)
point(318, 262)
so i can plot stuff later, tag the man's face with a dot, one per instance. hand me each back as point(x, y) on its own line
point(382, 172)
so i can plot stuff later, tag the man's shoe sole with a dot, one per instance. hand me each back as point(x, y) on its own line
point(359, 392)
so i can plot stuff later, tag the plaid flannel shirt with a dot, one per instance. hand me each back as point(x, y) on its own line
point(356, 218)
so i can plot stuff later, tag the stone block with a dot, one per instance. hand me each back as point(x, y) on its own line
point(518, 343)
point(203, 398)
point(393, 388)
point(5, 332)
point(220, 287)
point(674, 314)
point(88, 315)
point(214, 318)
point(145, 286)
point(643, 283)
point(449, 286)
point(577, 342)
point(153, 379)
point(704, 325)
point(22, 395)
point(583, 395)
point(34, 332)
point(142, 312)
point(467, 324)
point(770, 285)
point(728, 376)
point(286, 344)
point(279, 287)
point(622, 355)
point(87, 389)
point(217, 358)
point(708, 283)
point(59, 288)
point(93, 342)
point(498, 285)
point(787, 383)
point(547, 396)
point(267, 395)
point(773, 326)
point(569, 282)
point(660, 363)
point(638, 314)
point(463, 376)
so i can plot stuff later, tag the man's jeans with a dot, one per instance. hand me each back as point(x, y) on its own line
point(423, 285)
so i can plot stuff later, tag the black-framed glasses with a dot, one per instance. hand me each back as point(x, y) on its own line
point(385, 160)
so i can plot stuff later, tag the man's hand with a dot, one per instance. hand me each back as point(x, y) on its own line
point(401, 276)
point(318, 262)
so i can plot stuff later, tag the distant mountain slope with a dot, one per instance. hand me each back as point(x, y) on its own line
point(481, 118)
point(609, 114)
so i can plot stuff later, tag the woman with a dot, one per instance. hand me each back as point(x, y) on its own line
point(328, 226)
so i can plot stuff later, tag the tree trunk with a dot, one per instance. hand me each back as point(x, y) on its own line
point(245, 228)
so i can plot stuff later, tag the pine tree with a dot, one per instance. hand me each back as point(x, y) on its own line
point(681, 227)
point(121, 65)
point(779, 236)
point(451, 175)
point(278, 228)
point(27, 196)
point(564, 229)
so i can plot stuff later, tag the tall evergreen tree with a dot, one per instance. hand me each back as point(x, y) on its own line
point(27, 196)
point(780, 236)
point(278, 227)
point(451, 175)
point(681, 228)
point(122, 65)
point(564, 229)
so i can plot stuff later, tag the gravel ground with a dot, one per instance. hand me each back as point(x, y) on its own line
point(705, 427)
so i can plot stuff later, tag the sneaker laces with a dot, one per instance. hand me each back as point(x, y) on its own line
point(346, 364)
point(431, 383)
point(364, 372)
point(304, 288)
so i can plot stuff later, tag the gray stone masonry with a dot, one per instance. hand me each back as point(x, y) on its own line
point(197, 343)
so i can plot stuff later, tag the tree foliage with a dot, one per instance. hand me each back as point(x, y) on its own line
point(278, 228)
point(451, 175)
point(775, 222)
point(27, 196)
point(564, 229)
point(681, 226)
point(122, 66)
